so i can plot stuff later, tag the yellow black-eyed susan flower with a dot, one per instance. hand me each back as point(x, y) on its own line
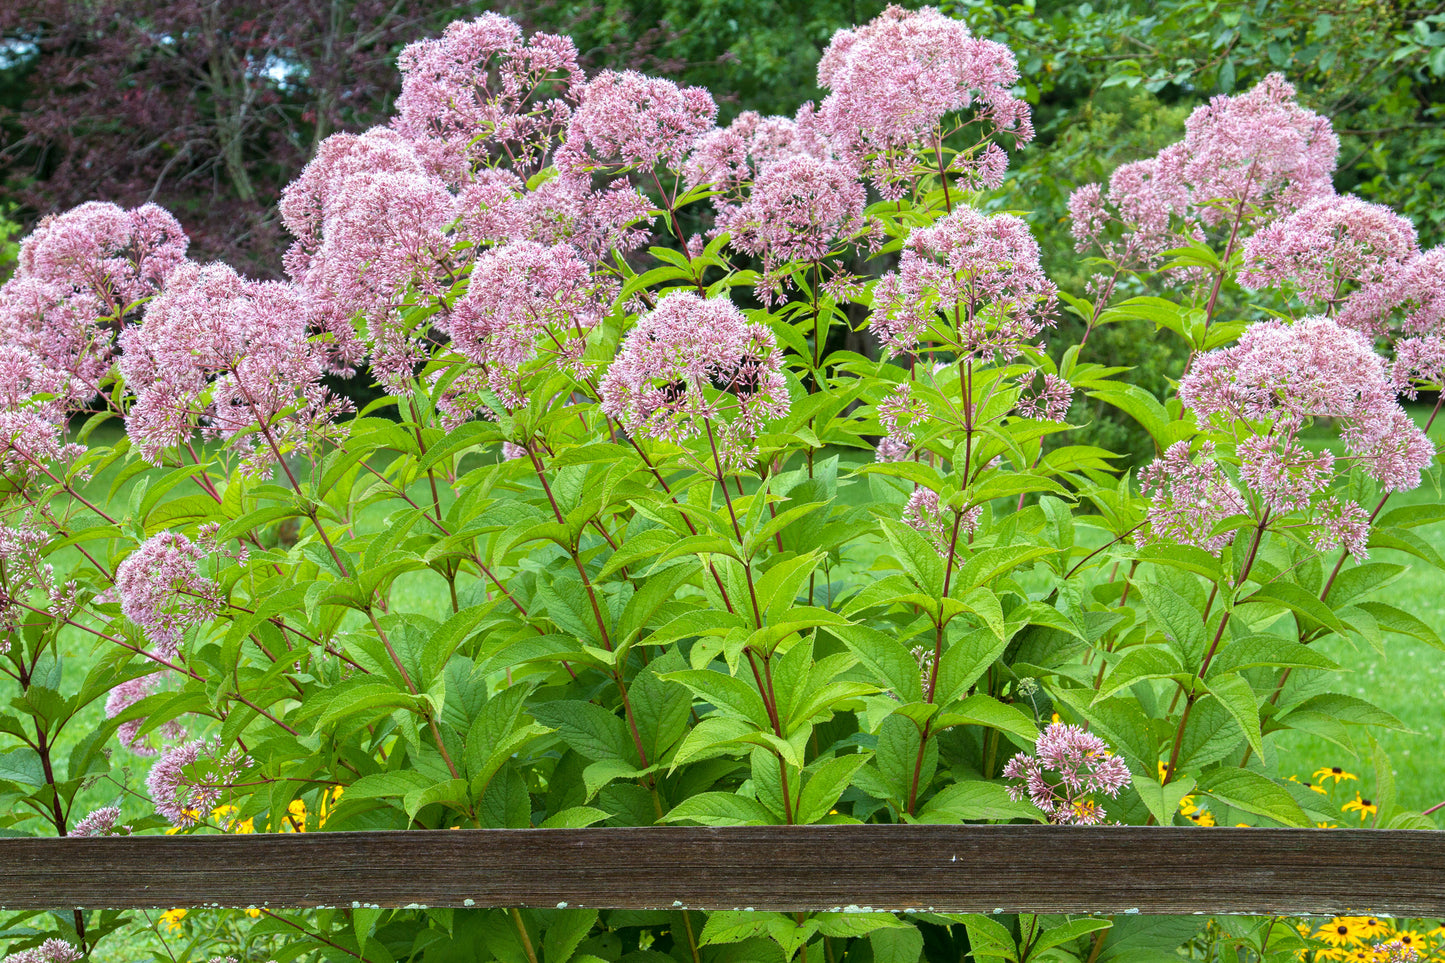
point(171, 919)
point(1333, 772)
point(1372, 926)
point(1363, 806)
point(1340, 931)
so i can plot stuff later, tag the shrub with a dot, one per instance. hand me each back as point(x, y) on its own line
point(629, 540)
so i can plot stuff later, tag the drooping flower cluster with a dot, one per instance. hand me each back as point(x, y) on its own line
point(232, 356)
point(162, 591)
point(1069, 765)
point(523, 301)
point(940, 527)
point(1141, 216)
point(121, 697)
point(34, 399)
point(1189, 497)
point(892, 81)
point(694, 366)
point(1410, 298)
point(978, 274)
point(1327, 248)
point(479, 94)
point(188, 781)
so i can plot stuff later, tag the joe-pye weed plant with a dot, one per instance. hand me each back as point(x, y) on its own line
point(692, 561)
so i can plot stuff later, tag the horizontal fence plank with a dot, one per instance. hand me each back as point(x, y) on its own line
point(1042, 869)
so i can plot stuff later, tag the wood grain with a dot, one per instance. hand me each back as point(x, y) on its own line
point(1044, 869)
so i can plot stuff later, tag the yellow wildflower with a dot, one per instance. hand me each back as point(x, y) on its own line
point(1371, 927)
point(1202, 818)
point(171, 919)
point(1410, 938)
point(296, 817)
point(1340, 931)
point(1335, 773)
point(253, 912)
point(1329, 954)
point(1362, 806)
point(1327, 825)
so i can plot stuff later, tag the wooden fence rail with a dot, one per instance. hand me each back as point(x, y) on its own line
point(1042, 869)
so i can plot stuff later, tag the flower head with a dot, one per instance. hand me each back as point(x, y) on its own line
point(191, 778)
point(231, 355)
point(162, 591)
point(1410, 297)
point(979, 274)
point(1189, 497)
point(1259, 150)
point(479, 92)
point(799, 207)
point(693, 364)
point(525, 300)
point(892, 81)
point(628, 121)
point(51, 951)
point(101, 822)
point(1327, 248)
point(1069, 764)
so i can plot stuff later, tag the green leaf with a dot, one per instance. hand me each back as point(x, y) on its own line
point(1237, 696)
point(727, 692)
point(1072, 930)
point(988, 937)
point(984, 710)
point(721, 809)
point(1138, 663)
point(591, 730)
point(1267, 650)
point(1248, 790)
point(820, 794)
point(976, 799)
point(564, 932)
point(1162, 801)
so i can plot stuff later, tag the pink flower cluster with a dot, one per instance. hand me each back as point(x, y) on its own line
point(128, 693)
point(627, 121)
point(231, 355)
point(51, 951)
point(1244, 160)
point(1189, 497)
point(80, 276)
point(1282, 375)
point(1068, 766)
point(899, 414)
point(101, 822)
point(162, 591)
point(1409, 298)
point(34, 401)
point(693, 365)
point(923, 514)
point(478, 95)
point(798, 209)
point(1262, 392)
point(892, 81)
point(728, 158)
point(979, 274)
point(1329, 247)
point(189, 780)
point(22, 575)
point(525, 301)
